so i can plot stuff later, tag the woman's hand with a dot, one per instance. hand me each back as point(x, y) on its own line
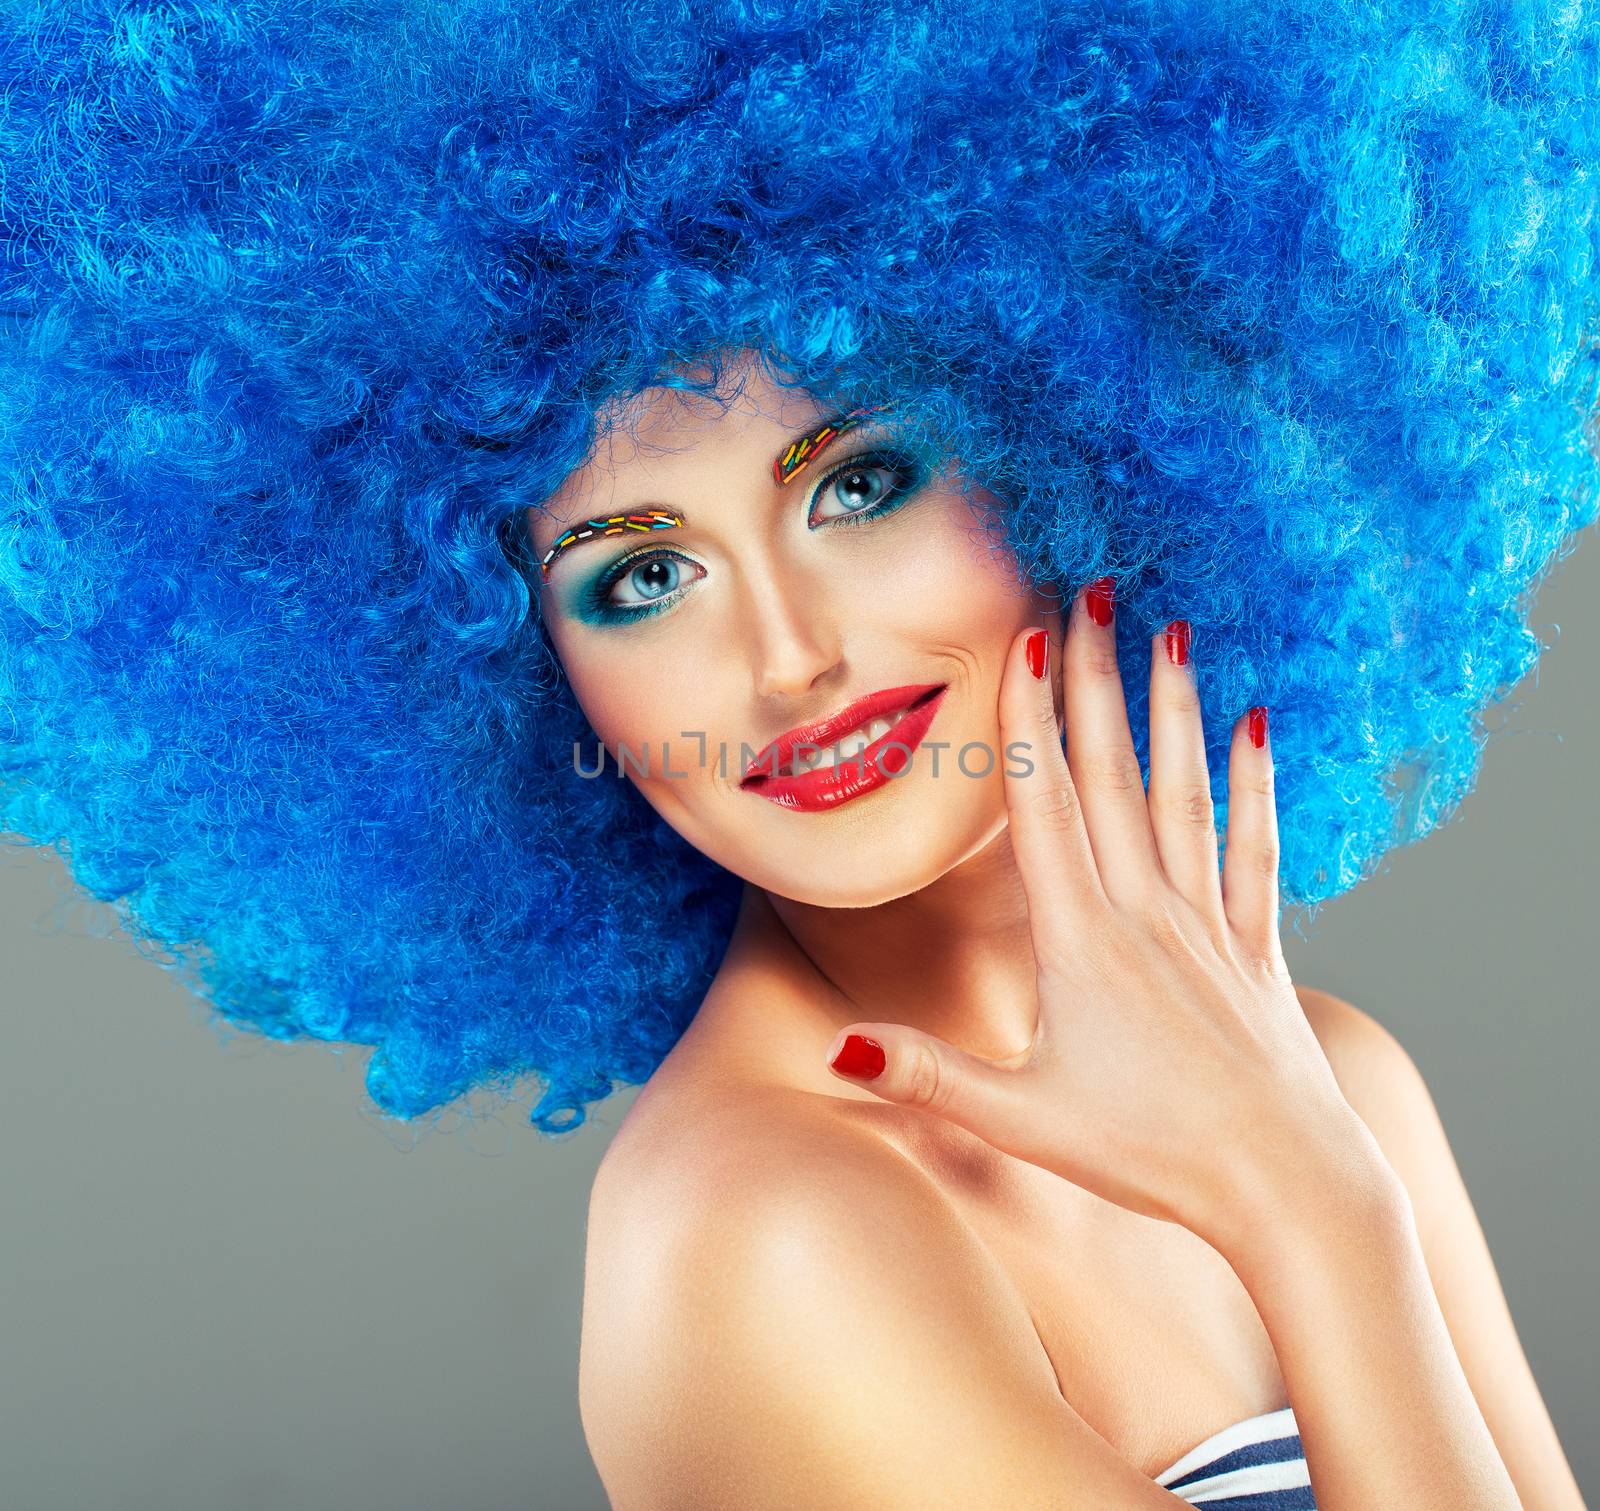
point(1173, 1070)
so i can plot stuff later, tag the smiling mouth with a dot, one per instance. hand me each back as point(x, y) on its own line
point(800, 755)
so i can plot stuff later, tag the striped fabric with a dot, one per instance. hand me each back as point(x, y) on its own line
point(1254, 1465)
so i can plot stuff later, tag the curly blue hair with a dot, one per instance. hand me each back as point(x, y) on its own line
point(1279, 311)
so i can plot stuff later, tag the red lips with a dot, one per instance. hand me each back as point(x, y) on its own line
point(774, 758)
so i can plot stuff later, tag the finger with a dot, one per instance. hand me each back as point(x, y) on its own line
point(1100, 753)
point(1250, 859)
point(913, 1069)
point(1046, 827)
point(1182, 814)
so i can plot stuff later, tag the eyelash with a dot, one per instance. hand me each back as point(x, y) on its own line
point(911, 479)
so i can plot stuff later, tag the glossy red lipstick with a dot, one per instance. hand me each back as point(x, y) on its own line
point(826, 787)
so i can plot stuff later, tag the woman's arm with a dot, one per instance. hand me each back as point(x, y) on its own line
point(1387, 1090)
point(1385, 1413)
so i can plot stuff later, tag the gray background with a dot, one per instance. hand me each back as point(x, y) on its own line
point(231, 1286)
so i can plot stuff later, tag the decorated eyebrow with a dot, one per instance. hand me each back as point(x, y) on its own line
point(801, 452)
point(805, 449)
point(615, 524)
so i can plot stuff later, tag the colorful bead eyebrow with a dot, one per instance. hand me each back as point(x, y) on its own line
point(616, 524)
point(787, 466)
point(806, 448)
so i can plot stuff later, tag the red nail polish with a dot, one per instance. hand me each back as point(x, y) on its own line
point(860, 1057)
point(1258, 727)
point(1178, 642)
point(1098, 597)
point(1038, 641)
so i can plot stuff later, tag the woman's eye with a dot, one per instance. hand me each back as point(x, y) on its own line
point(864, 488)
point(861, 487)
point(645, 582)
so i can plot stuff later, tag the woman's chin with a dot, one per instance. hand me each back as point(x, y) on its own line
point(868, 865)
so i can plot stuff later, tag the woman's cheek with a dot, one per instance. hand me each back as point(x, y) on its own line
point(637, 708)
point(953, 580)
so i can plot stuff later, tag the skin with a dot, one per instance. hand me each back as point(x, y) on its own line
point(819, 617)
point(921, 913)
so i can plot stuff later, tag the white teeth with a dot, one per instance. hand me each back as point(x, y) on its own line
point(850, 746)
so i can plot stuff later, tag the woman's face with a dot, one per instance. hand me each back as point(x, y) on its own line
point(774, 605)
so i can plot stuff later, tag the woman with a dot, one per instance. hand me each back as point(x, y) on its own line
point(918, 1280)
point(399, 397)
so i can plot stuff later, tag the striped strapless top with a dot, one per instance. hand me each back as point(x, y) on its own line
point(1254, 1465)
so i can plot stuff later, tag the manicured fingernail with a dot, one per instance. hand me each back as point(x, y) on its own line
point(1038, 643)
point(1178, 642)
point(860, 1057)
point(1258, 727)
point(1098, 597)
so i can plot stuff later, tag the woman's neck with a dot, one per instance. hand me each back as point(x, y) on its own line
point(954, 959)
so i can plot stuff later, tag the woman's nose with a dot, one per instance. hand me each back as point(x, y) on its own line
point(792, 639)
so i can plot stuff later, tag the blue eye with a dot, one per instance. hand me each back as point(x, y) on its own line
point(650, 578)
point(866, 487)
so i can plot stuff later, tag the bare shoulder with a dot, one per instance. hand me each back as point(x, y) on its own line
point(1379, 1078)
point(1351, 1038)
point(775, 1297)
point(733, 1194)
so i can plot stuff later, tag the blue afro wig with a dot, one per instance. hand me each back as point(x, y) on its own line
point(1282, 312)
